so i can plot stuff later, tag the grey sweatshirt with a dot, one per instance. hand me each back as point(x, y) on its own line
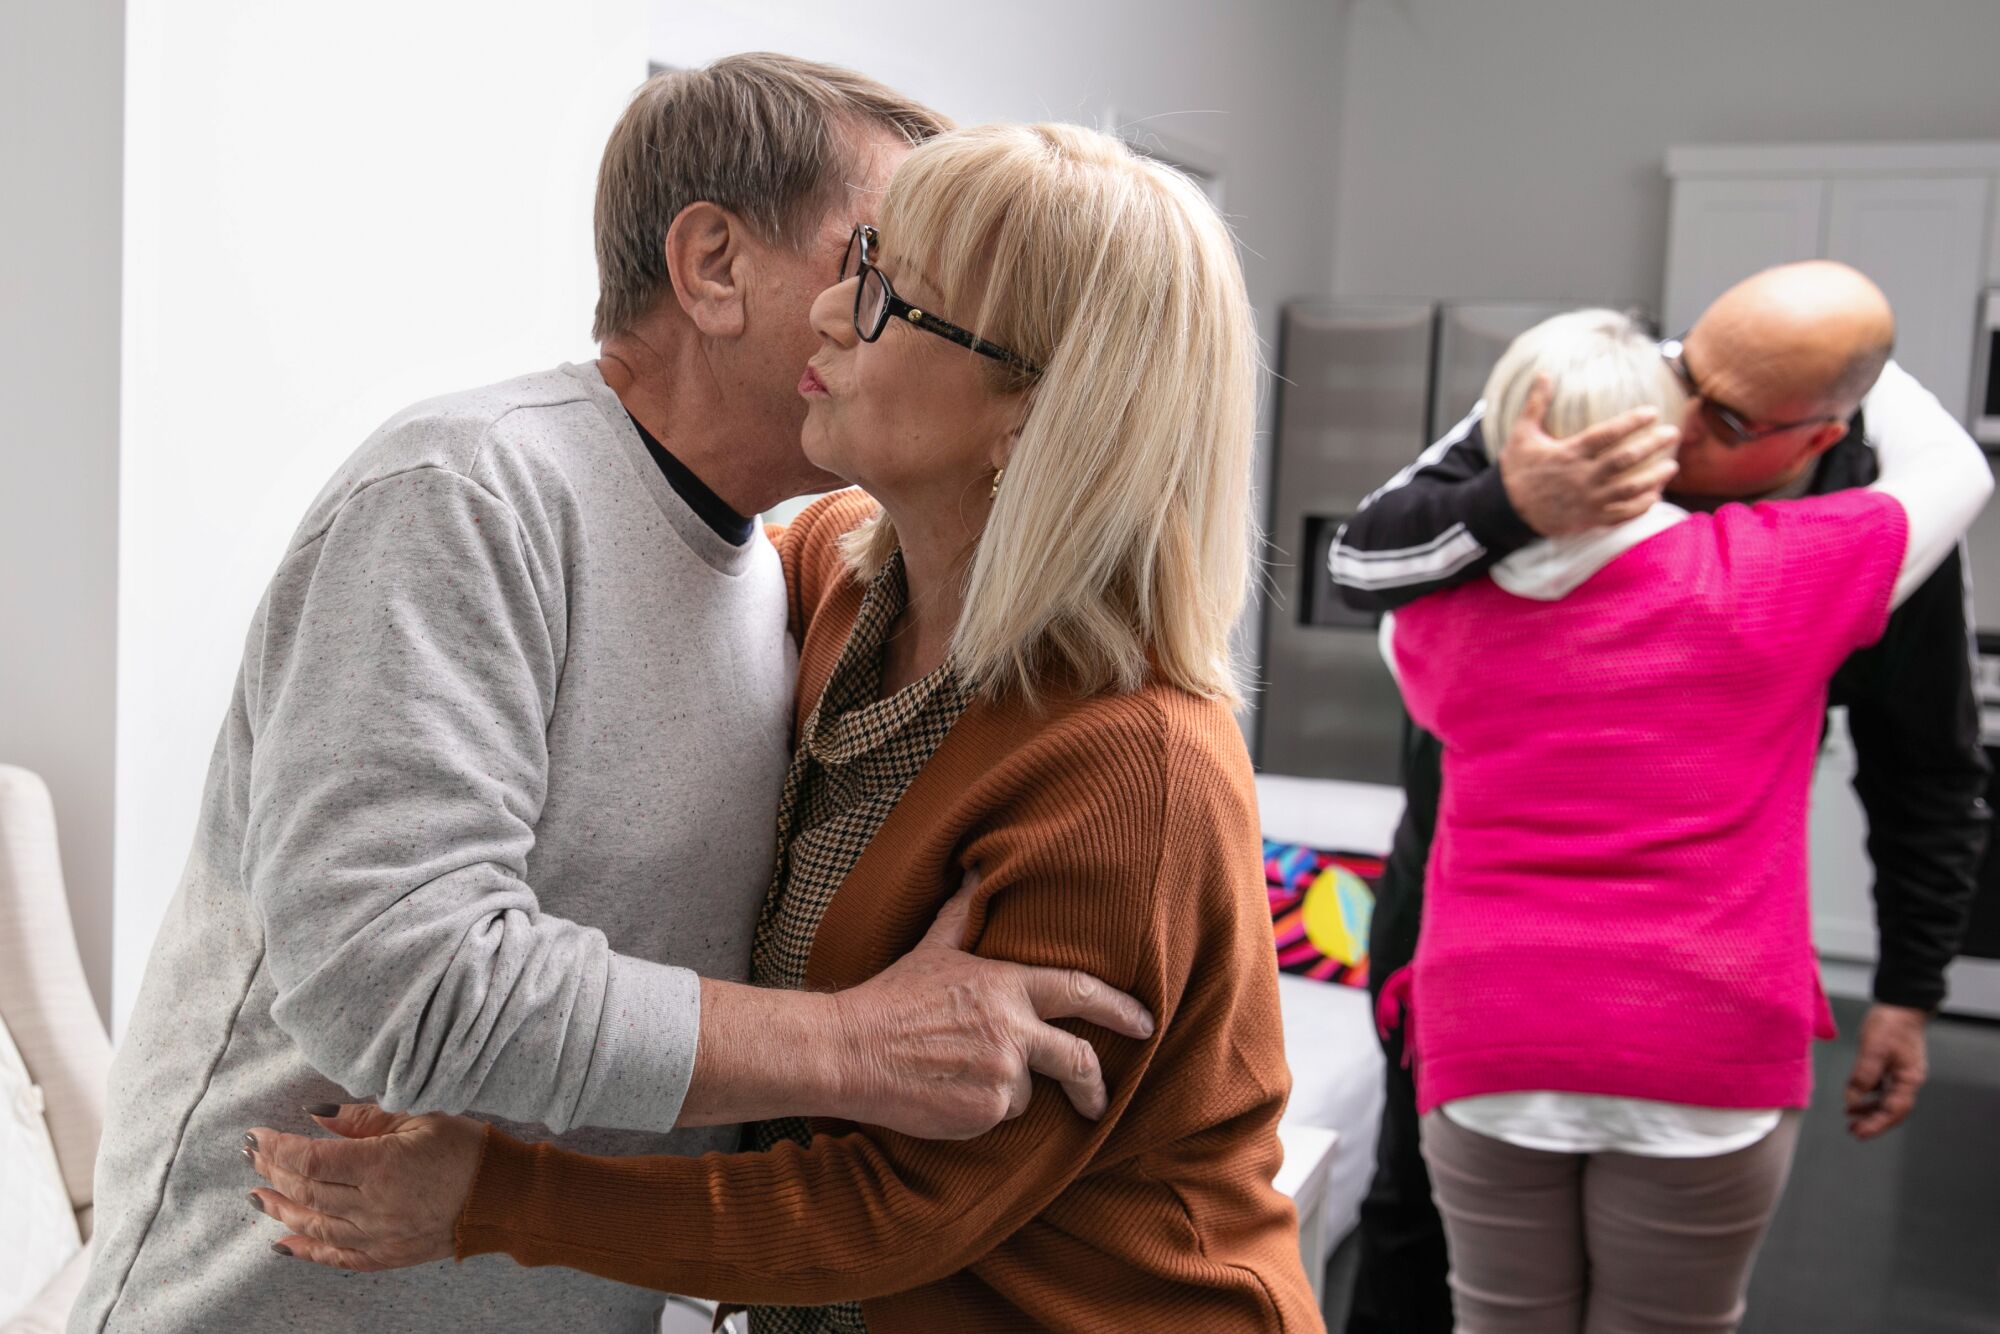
point(496, 783)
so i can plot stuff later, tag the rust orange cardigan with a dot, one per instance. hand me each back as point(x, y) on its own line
point(1116, 834)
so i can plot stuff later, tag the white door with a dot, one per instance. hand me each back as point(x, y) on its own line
point(1923, 238)
point(1724, 229)
point(1843, 909)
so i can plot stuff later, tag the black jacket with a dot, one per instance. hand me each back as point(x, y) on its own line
point(1921, 771)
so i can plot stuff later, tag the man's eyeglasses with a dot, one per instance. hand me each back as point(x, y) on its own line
point(1724, 422)
point(875, 301)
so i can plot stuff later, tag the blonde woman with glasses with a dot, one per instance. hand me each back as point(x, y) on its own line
point(1014, 666)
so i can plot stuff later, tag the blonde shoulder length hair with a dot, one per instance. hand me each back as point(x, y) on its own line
point(1602, 363)
point(1118, 547)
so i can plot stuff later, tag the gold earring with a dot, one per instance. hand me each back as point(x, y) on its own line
point(998, 473)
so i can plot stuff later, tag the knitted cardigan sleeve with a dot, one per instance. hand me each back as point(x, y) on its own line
point(1077, 873)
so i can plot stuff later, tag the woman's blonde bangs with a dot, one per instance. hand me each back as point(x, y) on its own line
point(965, 217)
point(1119, 545)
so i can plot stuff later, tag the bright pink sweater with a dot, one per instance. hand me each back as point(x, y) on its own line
point(1616, 900)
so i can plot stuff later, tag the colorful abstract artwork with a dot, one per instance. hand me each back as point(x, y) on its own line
point(1321, 903)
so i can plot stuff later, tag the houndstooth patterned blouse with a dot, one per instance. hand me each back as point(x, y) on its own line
point(856, 754)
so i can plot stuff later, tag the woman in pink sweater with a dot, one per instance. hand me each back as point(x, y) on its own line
point(1615, 991)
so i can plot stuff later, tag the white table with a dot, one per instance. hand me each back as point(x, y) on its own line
point(1309, 1154)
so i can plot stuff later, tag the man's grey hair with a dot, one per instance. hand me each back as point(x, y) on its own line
point(771, 138)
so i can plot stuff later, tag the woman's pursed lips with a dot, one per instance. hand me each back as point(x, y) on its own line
point(811, 385)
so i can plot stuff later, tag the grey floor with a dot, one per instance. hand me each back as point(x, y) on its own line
point(1898, 1236)
point(1901, 1235)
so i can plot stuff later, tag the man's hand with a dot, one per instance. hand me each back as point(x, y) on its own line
point(943, 1044)
point(1602, 475)
point(1889, 1069)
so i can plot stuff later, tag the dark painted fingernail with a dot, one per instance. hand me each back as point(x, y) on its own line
point(250, 1142)
point(257, 1203)
point(322, 1109)
point(248, 1156)
point(281, 1248)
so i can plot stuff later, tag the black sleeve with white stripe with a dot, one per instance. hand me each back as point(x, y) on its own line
point(1439, 522)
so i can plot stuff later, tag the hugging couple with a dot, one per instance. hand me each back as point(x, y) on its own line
point(489, 827)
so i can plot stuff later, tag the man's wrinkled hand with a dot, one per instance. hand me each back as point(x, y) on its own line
point(1604, 474)
point(385, 1195)
point(944, 1044)
point(1890, 1067)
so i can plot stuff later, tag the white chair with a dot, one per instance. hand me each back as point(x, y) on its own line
point(47, 1008)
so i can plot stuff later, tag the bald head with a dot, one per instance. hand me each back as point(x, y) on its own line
point(1791, 351)
point(1798, 339)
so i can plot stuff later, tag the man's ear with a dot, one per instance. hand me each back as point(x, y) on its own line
point(705, 253)
point(1825, 437)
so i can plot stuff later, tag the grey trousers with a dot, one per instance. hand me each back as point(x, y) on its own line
point(1601, 1243)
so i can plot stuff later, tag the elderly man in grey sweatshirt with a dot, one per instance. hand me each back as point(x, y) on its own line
point(491, 816)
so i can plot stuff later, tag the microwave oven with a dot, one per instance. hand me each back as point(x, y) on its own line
point(1986, 372)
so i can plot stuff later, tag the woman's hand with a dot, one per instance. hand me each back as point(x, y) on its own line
point(386, 1195)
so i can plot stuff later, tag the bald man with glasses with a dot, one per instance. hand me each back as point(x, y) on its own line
point(1763, 422)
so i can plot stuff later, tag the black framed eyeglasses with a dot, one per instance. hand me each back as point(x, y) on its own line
point(1723, 421)
point(875, 301)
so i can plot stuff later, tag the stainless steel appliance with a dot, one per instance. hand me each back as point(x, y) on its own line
point(1353, 407)
point(1985, 416)
point(1364, 386)
point(1471, 337)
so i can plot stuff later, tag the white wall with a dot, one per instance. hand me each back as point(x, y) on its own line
point(330, 213)
point(1515, 150)
point(61, 93)
point(1251, 87)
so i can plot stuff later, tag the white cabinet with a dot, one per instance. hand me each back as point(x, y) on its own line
point(1923, 239)
point(1920, 219)
point(1724, 228)
point(1843, 910)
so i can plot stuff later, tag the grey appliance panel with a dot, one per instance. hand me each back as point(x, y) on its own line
point(1332, 710)
point(1471, 337)
point(1353, 409)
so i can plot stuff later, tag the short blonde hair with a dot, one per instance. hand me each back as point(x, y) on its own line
point(765, 136)
point(1118, 547)
point(1603, 363)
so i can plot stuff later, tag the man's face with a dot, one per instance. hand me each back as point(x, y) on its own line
point(779, 333)
point(1728, 367)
